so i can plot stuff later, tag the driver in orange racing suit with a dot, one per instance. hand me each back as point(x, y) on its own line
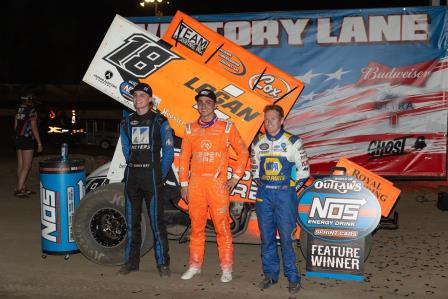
point(205, 153)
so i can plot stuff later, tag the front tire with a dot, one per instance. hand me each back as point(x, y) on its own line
point(101, 229)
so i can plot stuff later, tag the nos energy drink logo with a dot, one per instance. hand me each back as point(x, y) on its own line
point(339, 209)
point(49, 229)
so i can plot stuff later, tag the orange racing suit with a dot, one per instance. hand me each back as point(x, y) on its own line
point(205, 153)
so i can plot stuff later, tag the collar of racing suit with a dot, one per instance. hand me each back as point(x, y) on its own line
point(207, 124)
point(149, 113)
point(276, 136)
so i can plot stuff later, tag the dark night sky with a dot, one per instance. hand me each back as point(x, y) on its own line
point(52, 42)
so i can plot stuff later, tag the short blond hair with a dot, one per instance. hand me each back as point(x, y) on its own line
point(274, 107)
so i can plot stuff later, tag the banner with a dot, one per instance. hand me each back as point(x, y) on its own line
point(375, 81)
point(385, 191)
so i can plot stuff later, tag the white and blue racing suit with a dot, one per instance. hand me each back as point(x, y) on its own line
point(279, 167)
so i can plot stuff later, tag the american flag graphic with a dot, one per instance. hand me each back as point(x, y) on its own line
point(390, 128)
point(381, 105)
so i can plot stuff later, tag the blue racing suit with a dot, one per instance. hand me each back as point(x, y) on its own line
point(279, 167)
point(143, 137)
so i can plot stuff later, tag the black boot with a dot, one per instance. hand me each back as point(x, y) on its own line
point(294, 287)
point(126, 269)
point(266, 282)
point(164, 271)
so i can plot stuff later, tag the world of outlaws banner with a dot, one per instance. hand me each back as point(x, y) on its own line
point(375, 81)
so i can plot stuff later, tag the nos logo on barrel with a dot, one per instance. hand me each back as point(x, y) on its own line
point(49, 215)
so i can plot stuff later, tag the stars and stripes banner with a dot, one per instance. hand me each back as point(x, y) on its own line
point(375, 81)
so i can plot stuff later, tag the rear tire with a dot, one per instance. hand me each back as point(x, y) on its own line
point(101, 229)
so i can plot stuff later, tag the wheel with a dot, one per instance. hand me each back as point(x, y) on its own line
point(100, 226)
point(44, 256)
point(104, 144)
point(67, 257)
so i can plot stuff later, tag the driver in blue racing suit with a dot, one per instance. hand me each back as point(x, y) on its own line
point(144, 135)
point(279, 167)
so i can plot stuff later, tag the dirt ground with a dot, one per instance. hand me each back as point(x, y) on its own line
point(410, 262)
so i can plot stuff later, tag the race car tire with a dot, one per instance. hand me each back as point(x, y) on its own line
point(100, 226)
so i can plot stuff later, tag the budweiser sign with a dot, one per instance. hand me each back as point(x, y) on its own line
point(416, 74)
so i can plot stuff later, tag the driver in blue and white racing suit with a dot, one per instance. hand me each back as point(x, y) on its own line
point(279, 167)
point(147, 142)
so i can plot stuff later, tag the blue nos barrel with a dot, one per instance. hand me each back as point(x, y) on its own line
point(61, 187)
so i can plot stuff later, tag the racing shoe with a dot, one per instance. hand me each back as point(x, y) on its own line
point(190, 273)
point(266, 282)
point(126, 269)
point(164, 271)
point(226, 276)
point(294, 287)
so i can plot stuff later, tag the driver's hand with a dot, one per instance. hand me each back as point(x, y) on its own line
point(231, 183)
point(184, 193)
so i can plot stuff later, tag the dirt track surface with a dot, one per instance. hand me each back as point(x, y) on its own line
point(410, 262)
